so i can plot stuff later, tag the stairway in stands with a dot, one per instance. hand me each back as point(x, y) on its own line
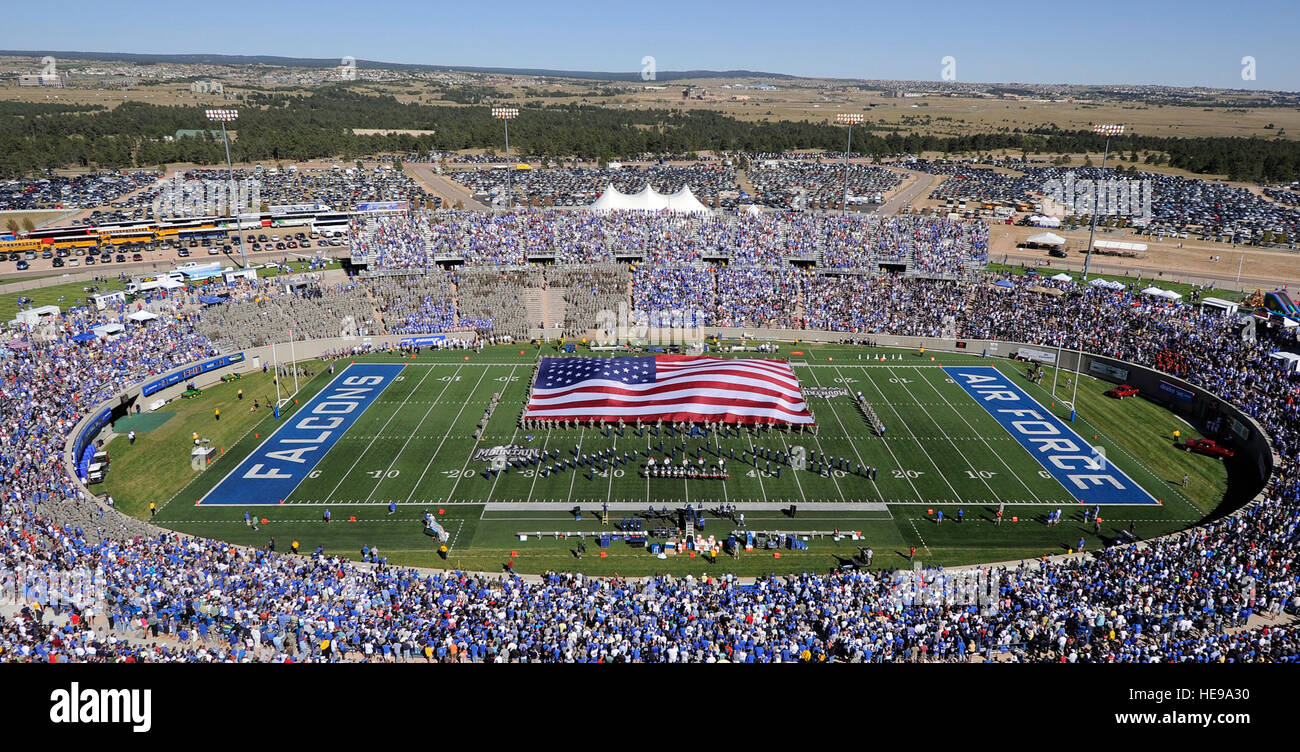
point(535, 304)
point(555, 309)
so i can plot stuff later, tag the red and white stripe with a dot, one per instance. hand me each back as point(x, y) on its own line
point(686, 388)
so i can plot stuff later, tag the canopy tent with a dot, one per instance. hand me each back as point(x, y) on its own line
point(167, 283)
point(1287, 360)
point(83, 337)
point(1062, 277)
point(1116, 245)
point(108, 331)
point(1106, 283)
point(1166, 294)
point(1045, 238)
point(1041, 221)
point(683, 201)
point(211, 299)
point(751, 209)
point(141, 316)
point(1049, 291)
point(1004, 283)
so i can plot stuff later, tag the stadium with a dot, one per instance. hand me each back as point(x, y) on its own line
point(470, 459)
point(664, 384)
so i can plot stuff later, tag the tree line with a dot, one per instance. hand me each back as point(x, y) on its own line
point(319, 124)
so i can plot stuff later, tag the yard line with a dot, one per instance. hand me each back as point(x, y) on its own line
point(821, 449)
point(845, 428)
point(371, 443)
point(725, 498)
point(538, 472)
point(979, 434)
point(450, 380)
point(762, 486)
point(497, 479)
point(401, 451)
point(903, 383)
point(582, 434)
point(956, 496)
point(450, 428)
point(610, 492)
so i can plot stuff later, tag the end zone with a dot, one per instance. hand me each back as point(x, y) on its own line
point(1084, 471)
point(272, 472)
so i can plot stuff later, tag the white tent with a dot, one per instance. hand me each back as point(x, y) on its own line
point(1157, 292)
point(1289, 361)
point(1041, 221)
point(1062, 277)
point(167, 283)
point(648, 199)
point(108, 331)
point(752, 209)
point(1046, 238)
point(685, 201)
point(139, 316)
point(1106, 283)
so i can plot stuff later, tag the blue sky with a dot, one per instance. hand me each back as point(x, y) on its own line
point(1193, 43)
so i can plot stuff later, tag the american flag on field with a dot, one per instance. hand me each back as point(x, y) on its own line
point(668, 387)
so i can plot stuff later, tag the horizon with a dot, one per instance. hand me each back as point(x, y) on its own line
point(582, 74)
point(880, 44)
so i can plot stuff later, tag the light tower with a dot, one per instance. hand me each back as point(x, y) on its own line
point(850, 119)
point(505, 115)
point(1107, 131)
point(224, 116)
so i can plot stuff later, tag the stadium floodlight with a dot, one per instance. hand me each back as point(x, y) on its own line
point(224, 116)
point(505, 115)
point(1108, 130)
point(850, 119)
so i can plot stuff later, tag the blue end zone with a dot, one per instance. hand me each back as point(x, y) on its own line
point(1085, 473)
point(274, 469)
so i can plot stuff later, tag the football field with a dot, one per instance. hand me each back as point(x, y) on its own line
point(433, 429)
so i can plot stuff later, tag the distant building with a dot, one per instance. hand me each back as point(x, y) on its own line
point(42, 79)
point(207, 87)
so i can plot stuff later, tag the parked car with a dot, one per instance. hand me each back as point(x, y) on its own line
point(1208, 447)
point(23, 265)
point(183, 253)
point(137, 257)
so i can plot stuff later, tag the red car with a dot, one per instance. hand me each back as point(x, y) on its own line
point(1207, 447)
point(1122, 391)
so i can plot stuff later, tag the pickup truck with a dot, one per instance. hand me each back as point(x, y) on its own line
point(1122, 391)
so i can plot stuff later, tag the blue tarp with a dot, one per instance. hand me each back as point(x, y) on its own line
point(83, 337)
point(1004, 283)
point(211, 299)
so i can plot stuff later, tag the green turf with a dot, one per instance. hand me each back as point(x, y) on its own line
point(1164, 282)
point(143, 422)
point(413, 446)
point(65, 296)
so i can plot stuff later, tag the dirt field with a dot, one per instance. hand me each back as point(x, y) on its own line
point(1260, 268)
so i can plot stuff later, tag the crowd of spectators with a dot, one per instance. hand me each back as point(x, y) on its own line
point(88, 584)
